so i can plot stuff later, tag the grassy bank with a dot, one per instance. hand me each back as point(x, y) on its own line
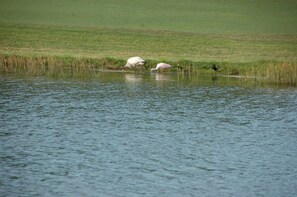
point(263, 72)
point(247, 38)
point(44, 48)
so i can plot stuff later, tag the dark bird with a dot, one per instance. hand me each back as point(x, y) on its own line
point(215, 67)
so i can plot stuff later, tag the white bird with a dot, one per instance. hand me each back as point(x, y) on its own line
point(161, 66)
point(134, 61)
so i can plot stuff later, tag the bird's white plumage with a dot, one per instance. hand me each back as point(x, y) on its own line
point(134, 61)
point(161, 66)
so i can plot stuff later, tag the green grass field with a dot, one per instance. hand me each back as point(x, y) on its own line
point(206, 31)
point(203, 16)
point(159, 45)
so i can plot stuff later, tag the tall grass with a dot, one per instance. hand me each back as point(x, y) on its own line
point(56, 66)
point(282, 73)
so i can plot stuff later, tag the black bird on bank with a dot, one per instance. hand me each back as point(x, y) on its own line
point(215, 67)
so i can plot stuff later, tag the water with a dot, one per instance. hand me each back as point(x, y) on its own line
point(146, 135)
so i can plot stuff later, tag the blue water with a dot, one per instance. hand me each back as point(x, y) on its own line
point(146, 135)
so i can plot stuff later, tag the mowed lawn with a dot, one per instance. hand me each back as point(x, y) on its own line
point(205, 30)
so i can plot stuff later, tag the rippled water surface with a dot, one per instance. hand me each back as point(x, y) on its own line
point(146, 135)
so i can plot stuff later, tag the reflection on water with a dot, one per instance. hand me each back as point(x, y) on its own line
point(132, 78)
point(126, 134)
point(161, 76)
point(135, 78)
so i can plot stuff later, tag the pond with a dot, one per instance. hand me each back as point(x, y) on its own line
point(129, 134)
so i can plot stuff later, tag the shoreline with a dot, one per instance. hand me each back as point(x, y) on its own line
point(262, 71)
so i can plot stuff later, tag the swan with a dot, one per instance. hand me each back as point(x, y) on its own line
point(161, 66)
point(134, 61)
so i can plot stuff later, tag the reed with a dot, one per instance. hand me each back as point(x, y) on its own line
point(282, 73)
point(56, 67)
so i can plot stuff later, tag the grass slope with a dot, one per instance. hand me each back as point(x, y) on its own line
point(158, 45)
point(204, 16)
